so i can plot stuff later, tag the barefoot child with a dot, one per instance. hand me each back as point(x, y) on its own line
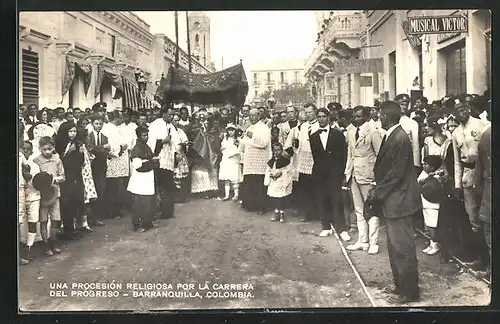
point(230, 171)
point(278, 179)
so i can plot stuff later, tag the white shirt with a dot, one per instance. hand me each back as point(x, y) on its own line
point(98, 137)
point(323, 136)
point(389, 131)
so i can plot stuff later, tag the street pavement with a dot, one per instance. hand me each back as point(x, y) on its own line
point(212, 243)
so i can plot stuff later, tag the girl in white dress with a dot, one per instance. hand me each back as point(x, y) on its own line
point(230, 171)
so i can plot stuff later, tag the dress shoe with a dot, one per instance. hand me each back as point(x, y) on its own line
point(358, 246)
point(373, 249)
point(426, 249)
point(401, 299)
point(275, 217)
point(23, 261)
point(433, 250)
point(345, 236)
point(475, 265)
point(85, 229)
point(53, 247)
point(325, 233)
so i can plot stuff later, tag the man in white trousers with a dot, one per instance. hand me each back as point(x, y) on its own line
point(363, 144)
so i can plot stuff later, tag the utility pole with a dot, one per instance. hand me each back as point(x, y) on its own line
point(188, 40)
point(176, 39)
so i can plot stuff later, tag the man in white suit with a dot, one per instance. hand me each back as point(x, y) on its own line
point(363, 144)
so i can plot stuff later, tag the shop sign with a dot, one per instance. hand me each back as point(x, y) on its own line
point(126, 50)
point(438, 25)
point(358, 66)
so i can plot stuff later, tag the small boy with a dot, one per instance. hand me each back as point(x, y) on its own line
point(275, 135)
point(32, 200)
point(142, 182)
point(431, 194)
point(98, 146)
point(278, 179)
point(50, 163)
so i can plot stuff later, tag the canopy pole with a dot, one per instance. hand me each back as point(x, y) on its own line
point(176, 14)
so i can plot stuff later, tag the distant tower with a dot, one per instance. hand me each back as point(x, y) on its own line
point(199, 34)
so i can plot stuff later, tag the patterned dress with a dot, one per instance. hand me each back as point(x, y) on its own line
point(88, 182)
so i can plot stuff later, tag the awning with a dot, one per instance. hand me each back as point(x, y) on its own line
point(72, 66)
point(132, 97)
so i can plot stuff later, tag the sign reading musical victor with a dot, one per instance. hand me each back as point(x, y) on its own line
point(358, 66)
point(438, 25)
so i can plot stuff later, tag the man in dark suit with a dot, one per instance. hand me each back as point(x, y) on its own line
point(329, 151)
point(396, 192)
point(98, 146)
point(482, 184)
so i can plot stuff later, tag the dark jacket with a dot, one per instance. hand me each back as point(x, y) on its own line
point(329, 164)
point(396, 187)
point(100, 162)
point(482, 176)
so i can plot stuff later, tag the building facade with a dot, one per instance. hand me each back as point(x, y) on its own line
point(434, 65)
point(78, 58)
point(272, 75)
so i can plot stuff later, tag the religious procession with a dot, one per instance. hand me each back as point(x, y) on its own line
point(206, 179)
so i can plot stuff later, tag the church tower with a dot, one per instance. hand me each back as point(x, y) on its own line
point(199, 34)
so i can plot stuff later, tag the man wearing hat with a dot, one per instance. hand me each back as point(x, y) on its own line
point(410, 127)
point(465, 139)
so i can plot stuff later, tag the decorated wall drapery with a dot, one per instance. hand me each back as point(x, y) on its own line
point(114, 78)
point(86, 70)
point(68, 75)
point(132, 97)
point(228, 86)
point(72, 67)
point(100, 78)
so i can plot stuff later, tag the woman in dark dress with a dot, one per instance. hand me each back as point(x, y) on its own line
point(69, 146)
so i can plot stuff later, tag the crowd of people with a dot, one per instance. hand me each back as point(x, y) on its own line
point(333, 164)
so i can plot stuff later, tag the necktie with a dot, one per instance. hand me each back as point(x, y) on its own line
point(357, 133)
point(383, 140)
point(98, 139)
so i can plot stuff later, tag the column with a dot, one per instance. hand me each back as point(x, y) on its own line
point(107, 95)
point(375, 85)
point(401, 68)
point(475, 55)
point(355, 89)
point(430, 65)
point(78, 92)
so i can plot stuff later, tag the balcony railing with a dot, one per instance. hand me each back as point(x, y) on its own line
point(340, 26)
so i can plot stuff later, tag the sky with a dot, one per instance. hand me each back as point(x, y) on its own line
point(251, 36)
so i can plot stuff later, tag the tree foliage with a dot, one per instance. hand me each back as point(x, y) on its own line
point(295, 93)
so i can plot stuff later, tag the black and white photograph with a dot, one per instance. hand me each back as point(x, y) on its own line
point(280, 159)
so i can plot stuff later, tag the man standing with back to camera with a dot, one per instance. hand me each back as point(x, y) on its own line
point(397, 195)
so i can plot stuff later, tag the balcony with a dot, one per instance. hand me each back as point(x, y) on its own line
point(269, 82)
point(343, 30)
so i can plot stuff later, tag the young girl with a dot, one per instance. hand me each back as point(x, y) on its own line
point(278, 179)
point(431, 193)
point(230, 171)
point(142, 182)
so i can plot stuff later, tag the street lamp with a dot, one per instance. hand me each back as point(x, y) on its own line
point(141, 82)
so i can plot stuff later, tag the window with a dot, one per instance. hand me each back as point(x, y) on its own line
point(255, 78)
point(113, 45)
point(268, 77)
point(456, 77)
point(282, 77)
point(255, 93)
point(296, 76)
point(197, 40)
point(30, 75)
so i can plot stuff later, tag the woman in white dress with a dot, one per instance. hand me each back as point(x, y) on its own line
point(229, 170)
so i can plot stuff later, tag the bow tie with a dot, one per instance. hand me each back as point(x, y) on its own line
point(321, 130)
